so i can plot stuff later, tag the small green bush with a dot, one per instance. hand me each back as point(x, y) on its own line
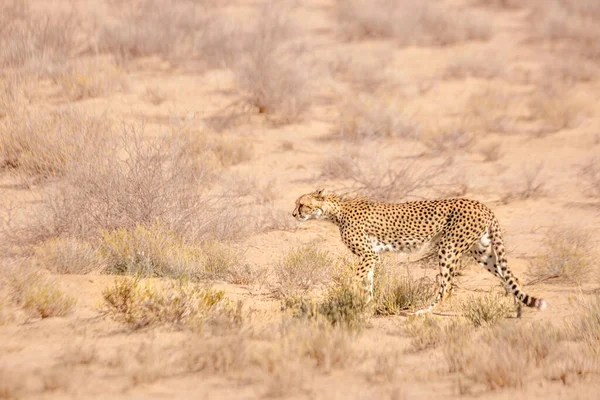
point(139, 304)
point(488, 309)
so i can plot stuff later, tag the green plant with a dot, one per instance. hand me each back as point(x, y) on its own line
point(488, 309)
point(140, 303)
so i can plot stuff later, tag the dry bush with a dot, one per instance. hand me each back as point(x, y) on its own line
point(367, 118)
point(154, 250)
point(155, 96)
point(17, 90)
point(506, 4)
point(566, 256)
point(488, 309)
point(449, 140)
point(345, 305)
point(531, 185)
point(68, 256)
point(143, 180)
point(150, 251)
point(223, 261)
point(492, 111)
point(271, 74)
point(408, 22)
point(568, 72)
point(39, 294)
point(491, 152)
point(38, 41)
point(247, 275)
point(572, 23)
point(49, 145)
point(300, 271)
point(88, 79)
point(590, 172)
point(555, 108)
point(339, 165)
point(483, 65)
point(395, 293)
point(139, 304)
point(391, 181)
point(174, 30)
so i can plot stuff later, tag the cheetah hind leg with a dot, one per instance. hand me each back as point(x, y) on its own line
point(448, 260)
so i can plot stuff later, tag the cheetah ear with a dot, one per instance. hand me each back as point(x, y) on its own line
point(321, 192)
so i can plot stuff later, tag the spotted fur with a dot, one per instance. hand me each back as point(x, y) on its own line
point(455, 226)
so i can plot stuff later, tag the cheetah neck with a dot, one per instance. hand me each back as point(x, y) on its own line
point(332, 208)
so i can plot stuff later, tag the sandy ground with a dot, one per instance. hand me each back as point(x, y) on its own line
point(36, 356)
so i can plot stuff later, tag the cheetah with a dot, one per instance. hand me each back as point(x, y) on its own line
point(454, 226)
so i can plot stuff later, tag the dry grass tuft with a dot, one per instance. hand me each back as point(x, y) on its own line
point(365, 118)
point(566, 257)
point(155, 96)
point(68, 256)
point(300, 271)
point(492, 110)
point(487, 310)
point(491, 152)
point(49, 145)
point(449, 140)
point(40, 295)
point(429, 332)
point(155, 251)
point(140, 304)
point(408, 22)
point(586, 325)
point(395, 293)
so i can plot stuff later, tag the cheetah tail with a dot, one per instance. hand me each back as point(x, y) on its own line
point(512, 283)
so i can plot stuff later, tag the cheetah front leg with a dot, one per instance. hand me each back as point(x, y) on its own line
point(448, 259)
point(366, 270)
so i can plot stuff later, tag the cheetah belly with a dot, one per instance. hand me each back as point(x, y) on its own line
point(409, 246)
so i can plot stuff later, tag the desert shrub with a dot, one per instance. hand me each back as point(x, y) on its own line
point(271, 74)
point(221, 260)
point(149, 251)
point(246, 274)
point(566, 256)
point(139, 304)
point(493, 110)
point(491, 152)
point(68, 256)
point(449, 140)
point(488, 309)
point(155, 96)
point(530, 185)
point(572, 22)
point(555, 109)
point(408, 22)
point(173, 30)
point(301, 270)
point(48, 145)
point(590, 172)
point(385, 367)
point(87, 79)
point(391, 181)
point(40, 295)
point(395, 293)
point(345, 305)
point(507, 4)
point(363, 118)
point(485, 65)
point(535, 341)
point(36, 40)
point(155, 251)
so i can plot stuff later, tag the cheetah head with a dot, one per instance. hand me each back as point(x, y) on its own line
point(310, 206)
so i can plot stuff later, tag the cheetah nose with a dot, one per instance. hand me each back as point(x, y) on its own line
point(294, 213)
